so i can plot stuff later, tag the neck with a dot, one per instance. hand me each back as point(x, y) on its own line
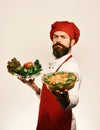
point(69, 51)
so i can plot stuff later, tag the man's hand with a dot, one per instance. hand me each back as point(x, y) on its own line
point(62, 97)
point(30, 83)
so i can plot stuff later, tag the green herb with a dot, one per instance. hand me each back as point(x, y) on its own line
point(14, 66)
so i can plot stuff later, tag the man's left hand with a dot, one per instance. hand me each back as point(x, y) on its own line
point(62, 97)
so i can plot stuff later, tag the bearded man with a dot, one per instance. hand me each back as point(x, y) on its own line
point(55, 110)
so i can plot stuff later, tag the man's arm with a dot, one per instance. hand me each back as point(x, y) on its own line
point(32, 84)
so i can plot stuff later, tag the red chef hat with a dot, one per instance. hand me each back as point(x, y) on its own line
point(68, 27)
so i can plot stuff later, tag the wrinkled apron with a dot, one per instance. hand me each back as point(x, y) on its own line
point(51, 115)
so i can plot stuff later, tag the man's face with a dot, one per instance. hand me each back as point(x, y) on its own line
point(61, 44)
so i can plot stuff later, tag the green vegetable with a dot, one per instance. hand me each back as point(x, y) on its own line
point(14, 66)
point(57, 83)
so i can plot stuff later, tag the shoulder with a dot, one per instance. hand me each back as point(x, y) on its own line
point(70, 65)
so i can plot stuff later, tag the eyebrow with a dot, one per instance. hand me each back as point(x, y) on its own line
point(59, 35)
point(55, 35)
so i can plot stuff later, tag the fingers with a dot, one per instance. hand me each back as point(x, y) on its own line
point(66, 91)
point(58, 92)
point(28, 82)
point(22, 79)
point(31, 80)
point(61, 94)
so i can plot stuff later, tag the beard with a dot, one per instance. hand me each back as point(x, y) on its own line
point(60, 50)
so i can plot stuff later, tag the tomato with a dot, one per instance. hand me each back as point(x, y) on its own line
point(28, 65)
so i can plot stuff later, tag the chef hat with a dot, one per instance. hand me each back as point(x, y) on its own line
point(68, 27)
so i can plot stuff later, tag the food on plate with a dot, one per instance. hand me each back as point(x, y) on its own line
point(60, 80)
point(28, 65)
point(27, 70)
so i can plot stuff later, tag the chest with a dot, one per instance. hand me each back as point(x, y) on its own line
point(67, 65)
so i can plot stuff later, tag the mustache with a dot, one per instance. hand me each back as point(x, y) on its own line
point(58, 44)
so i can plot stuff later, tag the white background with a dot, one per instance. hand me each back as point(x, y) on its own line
point(24, 34)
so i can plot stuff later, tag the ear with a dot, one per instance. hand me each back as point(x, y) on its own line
point(72, 42)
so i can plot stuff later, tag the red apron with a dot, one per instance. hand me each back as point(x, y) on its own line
point(51, 115)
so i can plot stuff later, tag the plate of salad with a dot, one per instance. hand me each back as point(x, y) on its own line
point(60, 80)
point(27, 70)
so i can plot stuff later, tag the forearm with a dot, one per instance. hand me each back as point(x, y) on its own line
point(74, 96)
point(35, 88)
point(32, 84)
point(68, 102)
point(74, 99)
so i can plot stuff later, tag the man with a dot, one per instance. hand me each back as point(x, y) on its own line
point(55, 112)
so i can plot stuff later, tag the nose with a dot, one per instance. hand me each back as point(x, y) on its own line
point(59, 39)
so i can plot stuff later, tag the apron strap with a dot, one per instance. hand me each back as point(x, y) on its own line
point(63, 62)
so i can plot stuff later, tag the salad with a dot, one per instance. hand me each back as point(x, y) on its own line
point(60, 80)
point(27, 70)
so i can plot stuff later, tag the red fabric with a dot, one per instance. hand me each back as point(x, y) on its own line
point(51, 115)
point(68, 27)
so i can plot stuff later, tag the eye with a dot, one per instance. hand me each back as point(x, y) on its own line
point(63, 36)
point(55, 36)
